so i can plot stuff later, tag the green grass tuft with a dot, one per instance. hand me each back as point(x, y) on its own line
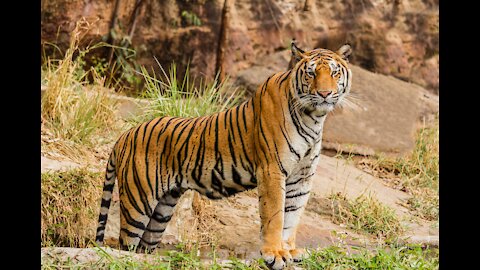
point(366, 214)
point(170, 96)
point(404, 257)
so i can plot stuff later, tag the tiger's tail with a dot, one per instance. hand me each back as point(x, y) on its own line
point(108, 185)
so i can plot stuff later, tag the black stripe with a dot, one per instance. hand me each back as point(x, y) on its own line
point(292, 208)
point(231, 148)
point(145, 130)
point(279, 162)
point(300, 179)
point(161, 219)
point(250, 168)
point(146, 158)
point(129, 233)
point(108, 187)
point(297, 127)
point(216, 183)
point(263, 134)
point(102, 218)
point(131, 198)
point(292, 150)
point(106, 203)
point(141, 193)
point(286, 77)
point(155, 230)
point(231, 134)
point(165, 126)
point(150, 243)
point(236, 176)
point(130, 220)
point(297, 195)
point(199, 161)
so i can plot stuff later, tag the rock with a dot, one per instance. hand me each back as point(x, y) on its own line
point(128, 106)
point(182, 225)
point(398, 38)
point(54, 255)
point(428, 240)
point(335, 175)
point(389, 114)
point(56, 165)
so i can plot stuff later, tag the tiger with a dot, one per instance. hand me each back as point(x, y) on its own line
point(271, 141)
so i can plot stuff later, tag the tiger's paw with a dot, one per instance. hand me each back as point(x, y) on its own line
point(276, 258)
point(297, 254)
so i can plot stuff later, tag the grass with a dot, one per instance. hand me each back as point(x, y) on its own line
point(416, 173)
point(103, 258)
point(75, 112)
point(71, 109)
point(69, 207)
point(333, 257)
point(170, 96)
point(366, 214)
point(390, 257)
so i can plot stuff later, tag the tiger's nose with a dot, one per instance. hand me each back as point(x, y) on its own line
point(324, 94)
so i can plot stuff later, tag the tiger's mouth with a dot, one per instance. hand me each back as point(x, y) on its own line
point(323, 105)
point(319, 108)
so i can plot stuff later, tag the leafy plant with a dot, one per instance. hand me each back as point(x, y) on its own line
point(191, 18)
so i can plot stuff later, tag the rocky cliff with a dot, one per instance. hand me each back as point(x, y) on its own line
point(392, 37)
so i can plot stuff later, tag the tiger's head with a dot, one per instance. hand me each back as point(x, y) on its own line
point(320, 78)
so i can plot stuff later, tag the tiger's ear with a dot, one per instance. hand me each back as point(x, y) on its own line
point(296, 51)
point(345, 51)
point(297, 54)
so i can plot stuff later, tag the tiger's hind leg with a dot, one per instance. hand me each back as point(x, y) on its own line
point(159, 220)
point(133, 223)
point(296, 197)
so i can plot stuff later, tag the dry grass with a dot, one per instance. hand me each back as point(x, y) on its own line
point(416, 173)
point(206, 223)
point(69, 207)
point(366, 214)
point(77, 115)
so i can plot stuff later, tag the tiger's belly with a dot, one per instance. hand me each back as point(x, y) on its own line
point(218, 182)
point(222, 179)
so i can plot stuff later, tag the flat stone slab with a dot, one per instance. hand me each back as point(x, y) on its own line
point(56, 165)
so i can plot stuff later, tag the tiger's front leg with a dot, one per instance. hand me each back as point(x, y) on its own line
point(271, 189)
point(296, 198)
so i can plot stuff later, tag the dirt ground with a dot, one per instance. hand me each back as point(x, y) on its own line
point(233, 224)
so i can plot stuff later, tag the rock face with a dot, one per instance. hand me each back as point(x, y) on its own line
point(387, 114)
point(390, 112)
point(398, 38)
